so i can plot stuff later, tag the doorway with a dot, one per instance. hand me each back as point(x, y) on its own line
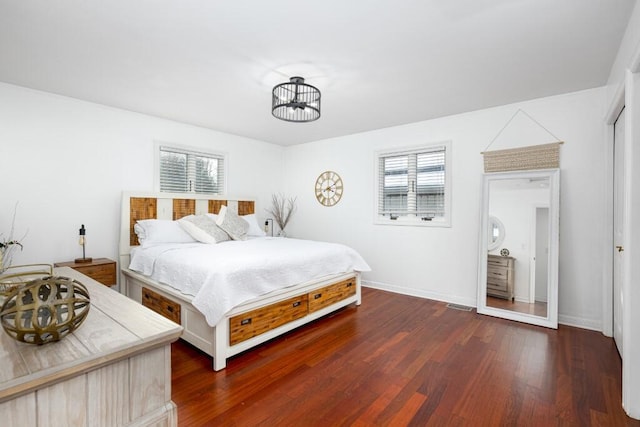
point(541, 268)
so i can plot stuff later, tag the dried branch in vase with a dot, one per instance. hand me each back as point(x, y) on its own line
point(9, 245)
point(282, 209)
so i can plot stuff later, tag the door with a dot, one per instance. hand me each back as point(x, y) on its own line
point(542, 254)
point(618, 228)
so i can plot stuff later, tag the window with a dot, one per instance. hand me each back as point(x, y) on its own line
point(414, 186)
point(185, 171)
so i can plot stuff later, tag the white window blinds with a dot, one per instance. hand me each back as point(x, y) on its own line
point(413, 184)
point(184, 171)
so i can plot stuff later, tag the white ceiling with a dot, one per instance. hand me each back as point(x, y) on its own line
point(378, 63)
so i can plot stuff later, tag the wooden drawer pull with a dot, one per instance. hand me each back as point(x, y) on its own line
point(245, 321)
point(152, 299)
point(316, 296)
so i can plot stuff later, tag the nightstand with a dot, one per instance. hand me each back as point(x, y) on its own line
point(101, 269)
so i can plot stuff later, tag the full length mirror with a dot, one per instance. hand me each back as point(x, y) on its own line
point(518, 276)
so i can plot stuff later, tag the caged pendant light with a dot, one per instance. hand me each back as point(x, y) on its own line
point(296, 101)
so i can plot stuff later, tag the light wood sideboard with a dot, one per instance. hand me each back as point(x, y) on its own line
point(114, 370)
point(500, 276)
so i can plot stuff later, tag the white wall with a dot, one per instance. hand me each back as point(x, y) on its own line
point(67, 162)
point(441, 263)
point(631, 286)
point(627, 52)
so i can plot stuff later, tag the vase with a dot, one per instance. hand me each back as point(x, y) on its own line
point(282, 233)
point(6, 256)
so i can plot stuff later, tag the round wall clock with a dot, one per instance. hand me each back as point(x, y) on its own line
point(329, 188)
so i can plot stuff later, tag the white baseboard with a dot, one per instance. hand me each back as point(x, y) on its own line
point(563, 319)
point(580, 322)
point(420, 293)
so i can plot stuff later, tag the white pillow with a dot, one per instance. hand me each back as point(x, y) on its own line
point(161, 231)
point(230, 222)
point(203, 229)
point(139, 230)
point(254, 228)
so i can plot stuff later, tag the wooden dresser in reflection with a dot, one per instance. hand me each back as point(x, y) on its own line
point(500, 276)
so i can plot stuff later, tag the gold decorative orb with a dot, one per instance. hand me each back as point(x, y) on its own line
point(45, 310)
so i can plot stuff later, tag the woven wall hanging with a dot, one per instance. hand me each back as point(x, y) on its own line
point(543, 156)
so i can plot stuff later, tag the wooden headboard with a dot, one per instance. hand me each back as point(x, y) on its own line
point(139, 206)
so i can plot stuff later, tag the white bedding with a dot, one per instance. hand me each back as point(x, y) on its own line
point(224, 275)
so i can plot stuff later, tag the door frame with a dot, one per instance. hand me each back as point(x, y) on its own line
point(533, 249)
point(607, 257)
point(620, 211)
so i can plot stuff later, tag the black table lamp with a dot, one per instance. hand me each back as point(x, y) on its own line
point(83, 241)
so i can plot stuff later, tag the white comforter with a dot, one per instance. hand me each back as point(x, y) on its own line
point(224, 275)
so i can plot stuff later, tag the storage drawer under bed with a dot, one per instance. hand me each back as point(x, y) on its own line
point(161, 305)
point(255, 322)
point(331, 294)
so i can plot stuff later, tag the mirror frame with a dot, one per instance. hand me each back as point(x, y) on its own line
point(551, 320)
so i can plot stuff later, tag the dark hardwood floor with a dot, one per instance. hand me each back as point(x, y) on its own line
point(398, 360)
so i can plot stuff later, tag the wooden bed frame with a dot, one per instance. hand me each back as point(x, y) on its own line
point(248, 324)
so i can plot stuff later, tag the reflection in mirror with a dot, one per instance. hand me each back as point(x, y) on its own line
point(518, 269)
point(496, 232)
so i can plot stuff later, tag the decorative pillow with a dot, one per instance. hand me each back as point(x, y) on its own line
point(254, 228)
point(230, 222)
point(203, 229)
point(139, 230)
point(161, 231)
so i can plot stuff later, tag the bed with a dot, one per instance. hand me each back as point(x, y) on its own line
point(234, 295)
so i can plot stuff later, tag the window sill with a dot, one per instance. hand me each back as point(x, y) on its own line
point(413, 222)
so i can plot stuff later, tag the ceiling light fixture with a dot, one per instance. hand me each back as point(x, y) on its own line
point(296, 101)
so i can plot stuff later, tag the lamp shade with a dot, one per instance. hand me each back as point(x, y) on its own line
point(296, 101)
